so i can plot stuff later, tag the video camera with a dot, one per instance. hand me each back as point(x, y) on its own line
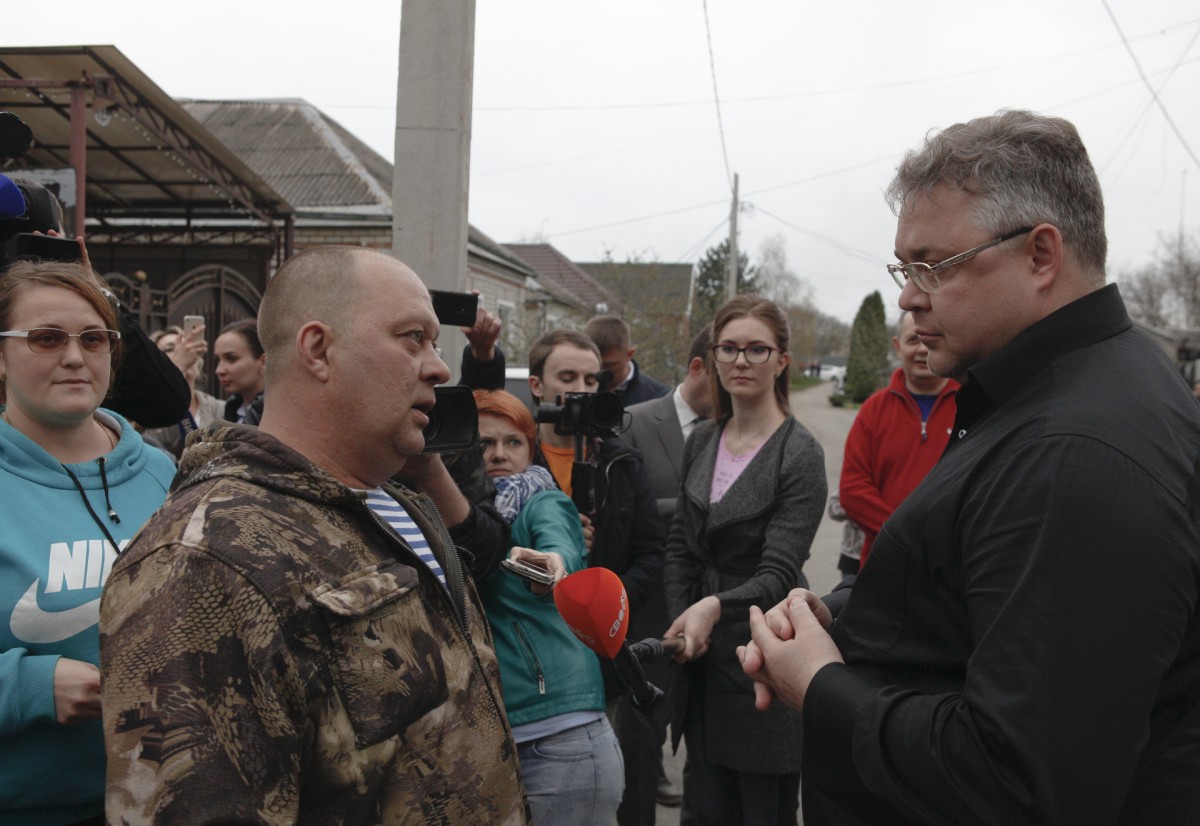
point(27, 207)
point(588, 417)
point(589, 414)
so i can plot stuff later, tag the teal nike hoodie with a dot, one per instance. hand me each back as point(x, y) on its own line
point(54, 558)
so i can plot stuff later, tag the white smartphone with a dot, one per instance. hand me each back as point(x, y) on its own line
point(191, 322)
point(529, 572)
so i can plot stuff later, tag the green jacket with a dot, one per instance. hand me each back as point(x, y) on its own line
point(545, 670)
point(273, 653)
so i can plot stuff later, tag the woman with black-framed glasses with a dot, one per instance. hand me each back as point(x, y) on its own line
point(753, 495)
point(76, 482)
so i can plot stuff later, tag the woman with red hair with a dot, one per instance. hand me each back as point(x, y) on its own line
point(553, 693)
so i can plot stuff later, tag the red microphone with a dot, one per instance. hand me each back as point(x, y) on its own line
point(593, 604)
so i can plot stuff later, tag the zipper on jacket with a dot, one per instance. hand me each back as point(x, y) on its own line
point(531, 658)
point(456, 574)
point(911, 403)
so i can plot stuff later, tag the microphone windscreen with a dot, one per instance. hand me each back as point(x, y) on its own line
point(593, 604)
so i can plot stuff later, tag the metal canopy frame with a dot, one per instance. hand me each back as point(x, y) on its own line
point(141, 163)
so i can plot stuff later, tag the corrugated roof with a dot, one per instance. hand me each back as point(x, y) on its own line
point(305, 155)
point(558, 274)
point(146, 156)
point(315, 162)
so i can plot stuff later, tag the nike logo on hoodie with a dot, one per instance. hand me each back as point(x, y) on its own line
point(30, 623)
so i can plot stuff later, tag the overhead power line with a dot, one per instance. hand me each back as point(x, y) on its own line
point(712, 65)
point(1153, 93)
point(706, 204)
point(845, 249)
point(695, 248)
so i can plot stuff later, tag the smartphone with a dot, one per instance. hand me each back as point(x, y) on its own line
point(191, 322)
point(530, 572)
point(454, 309)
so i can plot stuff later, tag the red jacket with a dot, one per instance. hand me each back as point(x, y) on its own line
point(889, 451)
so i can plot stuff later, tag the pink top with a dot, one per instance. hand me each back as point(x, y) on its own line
point(728, 468)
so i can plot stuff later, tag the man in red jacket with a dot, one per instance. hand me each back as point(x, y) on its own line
point(897, 437)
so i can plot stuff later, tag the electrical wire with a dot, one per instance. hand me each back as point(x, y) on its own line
point(694, 248)
point(1140, 119)
point(636, 220)
point(712, 65)
point(1154, 94)
point(706, 204)
point(845, 249)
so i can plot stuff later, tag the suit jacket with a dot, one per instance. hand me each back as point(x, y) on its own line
point(655, 433)
point(642, 388)
point(747, 549)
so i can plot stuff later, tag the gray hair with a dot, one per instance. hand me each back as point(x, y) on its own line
point(1026, 169)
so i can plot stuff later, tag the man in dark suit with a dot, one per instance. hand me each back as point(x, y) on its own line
point(611, 335)
point(658, 430)
point(661, 426)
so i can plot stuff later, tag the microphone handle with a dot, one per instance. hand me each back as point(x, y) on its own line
point(652, 648)
point(645, 693)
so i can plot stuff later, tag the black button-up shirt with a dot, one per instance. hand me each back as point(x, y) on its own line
point(1024, 646)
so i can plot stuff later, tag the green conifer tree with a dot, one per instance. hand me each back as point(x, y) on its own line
point(867, 365)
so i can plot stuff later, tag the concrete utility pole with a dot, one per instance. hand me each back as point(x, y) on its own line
point(731, 266)
point(433, 147)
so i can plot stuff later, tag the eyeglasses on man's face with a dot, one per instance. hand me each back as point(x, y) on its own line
point(925, 276)
point(755, 353)
point(54, 340)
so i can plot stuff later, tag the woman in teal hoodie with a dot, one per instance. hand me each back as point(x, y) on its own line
point(76, 483)
point(553, 693)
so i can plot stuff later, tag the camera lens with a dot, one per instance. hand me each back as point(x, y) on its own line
point(607, 411)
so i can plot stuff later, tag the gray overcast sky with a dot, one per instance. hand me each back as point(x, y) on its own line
point(595, 128)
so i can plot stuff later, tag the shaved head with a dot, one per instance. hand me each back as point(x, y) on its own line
point(319, 284)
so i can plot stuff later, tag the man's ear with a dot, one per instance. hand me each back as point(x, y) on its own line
point(1045, 250)
point(313, 342)
point(535, 387)
point(697, 367)
point(629, 355)
point(896, 344)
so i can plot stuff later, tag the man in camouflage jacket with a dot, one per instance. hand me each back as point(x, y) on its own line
point(272, 650)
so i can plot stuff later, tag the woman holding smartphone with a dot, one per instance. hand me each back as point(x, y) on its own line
point(752, 498)
point(553, 693)
point(186, 347)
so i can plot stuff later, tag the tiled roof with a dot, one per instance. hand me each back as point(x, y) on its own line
point(559, 275)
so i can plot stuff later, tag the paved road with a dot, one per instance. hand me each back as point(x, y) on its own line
point(829, 425)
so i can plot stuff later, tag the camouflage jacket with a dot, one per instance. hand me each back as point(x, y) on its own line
point(273, 653)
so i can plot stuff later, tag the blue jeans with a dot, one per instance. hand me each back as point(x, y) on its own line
point(575, 777)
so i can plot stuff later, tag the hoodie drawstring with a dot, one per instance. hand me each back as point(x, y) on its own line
point(112, 514)
point(87, 504)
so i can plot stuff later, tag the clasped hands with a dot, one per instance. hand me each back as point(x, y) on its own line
point(788, 646)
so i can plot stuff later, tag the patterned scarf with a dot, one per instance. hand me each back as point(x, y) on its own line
point(513, 492)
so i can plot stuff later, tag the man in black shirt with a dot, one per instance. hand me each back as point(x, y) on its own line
point(1025, 645)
